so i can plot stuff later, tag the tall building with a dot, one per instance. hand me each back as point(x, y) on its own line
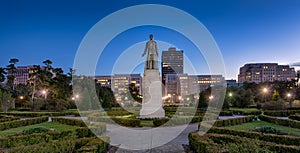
point(171, 62)
point(265, 72)
point(120, 85)
point(22, 74)
point(104, 81)
point(182, 87)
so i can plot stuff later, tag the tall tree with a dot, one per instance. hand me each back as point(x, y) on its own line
point(11, 70)
point(48, 64)
point(2, 74)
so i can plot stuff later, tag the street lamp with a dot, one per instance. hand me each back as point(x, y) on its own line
point(289, 95)
point(44, 92)
point(230, 94)
point(211, 97)
point(265, 91)
point(21, 98)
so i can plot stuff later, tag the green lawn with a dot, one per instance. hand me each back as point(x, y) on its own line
point(244, 109)
point(52, 125)
point(252, 125)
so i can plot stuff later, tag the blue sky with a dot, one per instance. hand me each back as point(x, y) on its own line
point(245, 31)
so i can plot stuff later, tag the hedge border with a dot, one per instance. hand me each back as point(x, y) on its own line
point(282, 139)
point(284, 122)
point(19, 123)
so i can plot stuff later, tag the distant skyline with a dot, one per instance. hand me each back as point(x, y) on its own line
point(246, 32)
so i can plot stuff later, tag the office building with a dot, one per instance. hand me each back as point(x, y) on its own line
point(265, 72)
point(120, 84)
point(171, 62)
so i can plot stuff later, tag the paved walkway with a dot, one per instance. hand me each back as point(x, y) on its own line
point(174, 146)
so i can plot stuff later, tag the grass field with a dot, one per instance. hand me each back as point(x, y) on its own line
point(252, 125)
point(52, 125)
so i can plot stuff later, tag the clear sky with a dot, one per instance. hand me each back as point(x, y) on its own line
point(245, 30)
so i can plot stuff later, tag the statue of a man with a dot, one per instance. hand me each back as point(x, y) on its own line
point(152, 58)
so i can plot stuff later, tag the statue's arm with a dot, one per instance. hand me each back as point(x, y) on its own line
point(145, 50)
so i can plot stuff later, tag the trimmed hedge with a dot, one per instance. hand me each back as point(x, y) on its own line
point(69, 121)
point(202, 144)
point(131, 122)
point(4, 118)
point(237, 112)
point(280, 139)
point(67, 146)
point(176, 121)
point(37, 114)
point(31, 139)
point(234, 121)
point(285, 113)
point(214, 143)
point(294, 117)
point(226, 113)
point(284, 122)
point(19, 123)
point(91, 131)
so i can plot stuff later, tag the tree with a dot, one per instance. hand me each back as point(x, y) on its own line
point(48, 64)
point(6, 100)
point(134, 92)
point(2, 74)
point(202, 100)
point(275, 96)
point(12, 69)
point(243, 98)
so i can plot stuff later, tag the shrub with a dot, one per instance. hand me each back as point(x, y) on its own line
point(234, 121)
point(131, 122)
point(281, 112)
point(37, 114)
point(238, 112)
point(176, 121)
point(91, 131)
point(66, 146)
point(5, 118)
point(294, 117)
point(266, 129)
point(280, 139)
point(36, 130)
point(284, 122)
point(69, 121)
point(18, 123)
point(34, 138)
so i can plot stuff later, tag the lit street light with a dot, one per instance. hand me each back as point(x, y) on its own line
point(289, 97)
point(44, 92)
point(265, 91)
point(211, 97)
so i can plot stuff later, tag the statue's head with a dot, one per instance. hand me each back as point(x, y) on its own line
point(151, 37)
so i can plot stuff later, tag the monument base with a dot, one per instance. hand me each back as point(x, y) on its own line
point(152, 95)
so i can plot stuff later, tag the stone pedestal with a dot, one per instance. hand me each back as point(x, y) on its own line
point(152, 95)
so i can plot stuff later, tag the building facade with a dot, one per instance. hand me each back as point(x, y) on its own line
point(120, 84)
point(22, 74)
point(171, 62)
point(265, 72)
point(104, 81)
point(184, 87)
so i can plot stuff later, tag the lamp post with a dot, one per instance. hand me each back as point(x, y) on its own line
point(44, 92)
point(289, 95)
point(21, 99)
point(265, 91)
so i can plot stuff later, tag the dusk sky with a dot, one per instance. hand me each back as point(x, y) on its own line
point(245, 31)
